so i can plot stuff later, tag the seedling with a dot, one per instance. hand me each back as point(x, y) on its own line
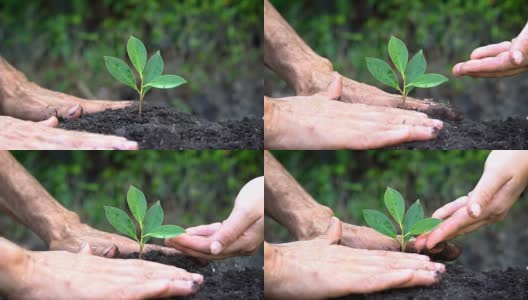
point(149, 221)
point(412, 72)
point(411, 224)
point(149, 71)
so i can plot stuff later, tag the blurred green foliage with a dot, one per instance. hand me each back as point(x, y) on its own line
point(350, 181)
point(347, 31)
point(194, 187)
point(200, 39)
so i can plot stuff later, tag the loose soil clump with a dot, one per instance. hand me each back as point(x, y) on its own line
point(460, 133)
point(222, 279)
point(167, 128)
point(459, 283)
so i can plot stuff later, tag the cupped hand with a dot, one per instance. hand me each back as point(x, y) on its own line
point(320, 268)
point(63, 275)
point(505, 177)
point(240, 234)
point(315, 122)
point(27, 135)
point(497, 60)
point(100, 243)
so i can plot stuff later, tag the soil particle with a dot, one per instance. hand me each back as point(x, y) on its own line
point(460, 133)
point(221, 281)
point(459, 283)
point(168, 128)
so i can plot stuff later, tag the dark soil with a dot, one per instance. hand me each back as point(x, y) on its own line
point(168, 128)
point(222, 280)
point(459, 283)
point(460, 133)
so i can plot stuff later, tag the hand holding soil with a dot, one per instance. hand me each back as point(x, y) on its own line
point(505, 177)
point(240, 234)
point(62, 275)
point(497, 60)
point(320, 268)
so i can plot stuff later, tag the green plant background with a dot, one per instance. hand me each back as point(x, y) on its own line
point(214, 44)
point(194, 187)
point(350, 181)
point(348, 31)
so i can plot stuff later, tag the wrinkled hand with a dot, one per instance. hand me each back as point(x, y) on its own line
point(240, 234)
point(315, 122)
point(497, 60)
point(101, 243)
point(62, 275)
point(320, 268)
point(505, 177)
point(23, 135)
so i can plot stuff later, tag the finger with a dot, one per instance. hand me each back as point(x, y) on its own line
point(159, 289)
point(204, 230)
point(51, 122)
point(417, 121)
point(85, 248)
point(69, 111)
point(450, 252)
point(423, 278)
point(449, 228)
point(111, 252)
point(336, 87)
point(392, 254)
point(447, 210)
point(519, 48)
point(197, 243)
point(486, 65)
point(483, 194)
point(490, 50)
point(236, 224)
point(508, 73)
point(93, 106)
point(399, 135)
point(388, 262)
point(398, 279)
point(334, 232)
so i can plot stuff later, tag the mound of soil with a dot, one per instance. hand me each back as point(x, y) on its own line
point(222, 280)
point(459, 283)
point(460, 133)
point(168, 128)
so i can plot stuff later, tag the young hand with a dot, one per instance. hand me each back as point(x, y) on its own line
point(240, 234)
point(497, 60)
point(505, 177)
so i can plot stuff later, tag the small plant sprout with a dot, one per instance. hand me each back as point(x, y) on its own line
point(411, 224)
point(411, 72)
point(149, 221)
point(149, 71)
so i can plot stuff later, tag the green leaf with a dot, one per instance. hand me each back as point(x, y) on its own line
point(424, 225)
point(398, 53)
point(154, 68)
point(166, 82)
point(121, 221)
point(395, 204)
point(428, 80)
point(137, 204)
point(414, 214)
point(137, 53)
point(166, 231)
point(379, 222)
point(382, 72)
point(416, 67)
point(120, 70)
point(153, 218)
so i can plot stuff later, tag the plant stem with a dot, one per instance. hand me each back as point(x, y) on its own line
point(141, 243)
point(141, 95)
point(404, 91)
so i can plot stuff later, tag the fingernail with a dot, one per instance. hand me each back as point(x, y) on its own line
point(83, 245)
point(438, 124)
point(105, 252)
point(216, 248)
point(439, 267)
point(438, 275)
point(193, 285)
point(73, 110)
point(518, 57)
point(128, 145)
point(197, 277)
point(435, 131)
point(475, 209)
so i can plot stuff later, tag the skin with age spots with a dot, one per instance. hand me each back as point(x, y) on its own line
point(22, 101)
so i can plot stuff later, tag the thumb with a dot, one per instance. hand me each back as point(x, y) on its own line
point(238, 222)
point(484, 192)
point(335, 87)
point(519, 48)
point(333, 233)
